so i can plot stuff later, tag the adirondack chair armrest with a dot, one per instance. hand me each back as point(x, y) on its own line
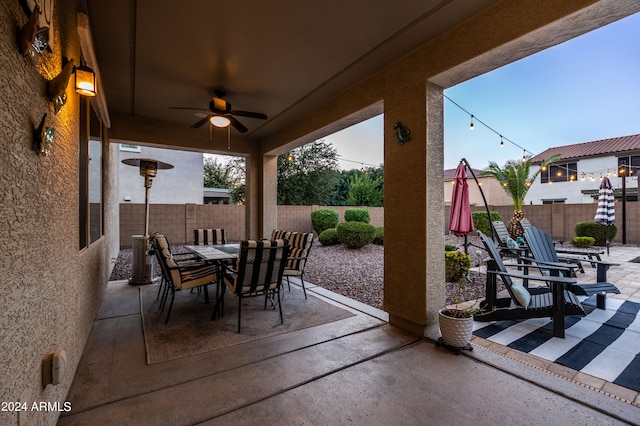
point(565, 267)
point(549, 279)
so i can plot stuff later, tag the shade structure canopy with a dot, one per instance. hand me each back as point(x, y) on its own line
point(606, 213)
point(460, 221)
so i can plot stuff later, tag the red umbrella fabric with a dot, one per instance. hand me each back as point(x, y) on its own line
point(460, 221)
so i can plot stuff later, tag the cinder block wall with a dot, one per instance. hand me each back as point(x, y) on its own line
point(177, 221)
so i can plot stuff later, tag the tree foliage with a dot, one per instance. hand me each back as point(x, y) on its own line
point(307, 175)
point(364, 191)
point(227, 175)
point(514, 177)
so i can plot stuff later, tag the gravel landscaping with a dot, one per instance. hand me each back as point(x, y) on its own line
point(357, 274)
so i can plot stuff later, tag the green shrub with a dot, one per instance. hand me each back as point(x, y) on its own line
point(355, 234)
point(457, 265)
point(324, 219)
point(378, 238)
point(450, 247)
point(481, 223)
point(597, 231)
point(583, 241)
point(357, 215)
point(328, 237)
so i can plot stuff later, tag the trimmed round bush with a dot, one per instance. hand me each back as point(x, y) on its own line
point(378, 238)
point(583, 242)
point(324, 219)
point(450, 247)
point(597, 231)
point(481, 223)
point(357, 215)
point(355, 234)
point(456, 266)
point(329, 237)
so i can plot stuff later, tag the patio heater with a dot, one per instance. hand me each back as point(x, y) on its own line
point(144, 265)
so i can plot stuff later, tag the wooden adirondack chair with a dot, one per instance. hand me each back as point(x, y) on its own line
point(555, 301)
point(544, 252)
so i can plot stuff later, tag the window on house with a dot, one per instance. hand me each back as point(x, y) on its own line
point(567, 172)
point(631, 161)
point(90, 176)
point(129, 147)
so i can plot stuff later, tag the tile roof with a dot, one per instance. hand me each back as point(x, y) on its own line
point(592, 149)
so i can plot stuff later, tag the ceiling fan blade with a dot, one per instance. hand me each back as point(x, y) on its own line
point(200, 122)
point(238, 125)
point(190, 108)
point(249, 114)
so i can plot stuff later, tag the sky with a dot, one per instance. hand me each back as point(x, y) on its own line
point(582, 90)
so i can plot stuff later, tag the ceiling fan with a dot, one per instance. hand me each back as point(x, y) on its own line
point(218, 107)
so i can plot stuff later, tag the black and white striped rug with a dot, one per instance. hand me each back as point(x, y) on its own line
point(604, 344)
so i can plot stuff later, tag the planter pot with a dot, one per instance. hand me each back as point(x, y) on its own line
point(456, 332)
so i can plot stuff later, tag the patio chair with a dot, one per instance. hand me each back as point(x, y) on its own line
point(589, 253)
point(209, 237)
point(181, 276)
point(180, 258)
point(555, 302)
point(278, 234)
point(544, 252)
point(259, 273)
point(299, 248)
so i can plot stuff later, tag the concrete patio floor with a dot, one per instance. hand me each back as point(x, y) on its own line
point(359, 370)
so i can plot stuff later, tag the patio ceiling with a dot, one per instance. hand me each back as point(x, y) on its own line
point(280, 58)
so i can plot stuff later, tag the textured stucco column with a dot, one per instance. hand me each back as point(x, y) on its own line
point(269, 195)
point(261, 196)
point(414, 225)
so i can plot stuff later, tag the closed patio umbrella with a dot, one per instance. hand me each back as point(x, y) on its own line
point(606, 214)
point(460, 221)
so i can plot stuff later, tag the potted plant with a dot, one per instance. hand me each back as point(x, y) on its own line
point(456, 321)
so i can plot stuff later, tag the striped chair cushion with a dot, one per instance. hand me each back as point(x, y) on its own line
point(299, 246)
point(206, 237)
point(278, 234)
point(260, 266)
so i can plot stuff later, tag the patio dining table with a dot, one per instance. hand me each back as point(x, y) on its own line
point(215, 253)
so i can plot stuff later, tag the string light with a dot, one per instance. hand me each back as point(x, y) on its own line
point(572, 178)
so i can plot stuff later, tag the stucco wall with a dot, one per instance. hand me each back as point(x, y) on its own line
point(49, 288)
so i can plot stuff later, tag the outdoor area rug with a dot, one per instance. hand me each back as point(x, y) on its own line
point(604, 344)
point(191, 331)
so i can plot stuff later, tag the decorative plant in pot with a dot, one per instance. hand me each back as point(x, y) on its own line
point(456, 321)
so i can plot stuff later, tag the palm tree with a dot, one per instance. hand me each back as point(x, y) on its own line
point(514, 178)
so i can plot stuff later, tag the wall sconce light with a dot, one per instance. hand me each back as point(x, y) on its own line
point(220, 121)
point(85, 81)
point(85, 84)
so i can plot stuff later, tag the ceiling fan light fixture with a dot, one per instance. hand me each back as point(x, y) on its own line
point(220, 121)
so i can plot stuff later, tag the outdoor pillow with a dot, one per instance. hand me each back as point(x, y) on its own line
point(512, 244)
point(522, 294)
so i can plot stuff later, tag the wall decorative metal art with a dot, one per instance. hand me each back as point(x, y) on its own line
point(402, 133)
point(43, 137)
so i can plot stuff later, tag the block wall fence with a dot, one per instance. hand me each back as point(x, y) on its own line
point(177, 221)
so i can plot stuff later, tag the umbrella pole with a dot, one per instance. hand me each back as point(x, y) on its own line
point(606, 237)
point(486, 206)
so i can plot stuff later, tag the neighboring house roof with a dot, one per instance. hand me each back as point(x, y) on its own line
point(592, 149)
point(450, 173)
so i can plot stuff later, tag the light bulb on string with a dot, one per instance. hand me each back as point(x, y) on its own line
point(524, 155)
point(501, 142)
point(471, 126)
